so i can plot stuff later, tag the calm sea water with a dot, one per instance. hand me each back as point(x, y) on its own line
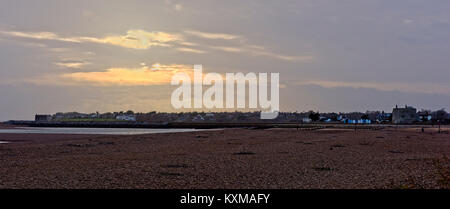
point(105, 131)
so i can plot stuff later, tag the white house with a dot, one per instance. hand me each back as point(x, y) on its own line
point(306, 120)
point(126, 117)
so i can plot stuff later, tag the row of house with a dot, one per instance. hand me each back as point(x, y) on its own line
point(93, 116)
point(399, 115)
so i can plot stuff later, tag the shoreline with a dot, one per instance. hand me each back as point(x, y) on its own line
point(95, 131)
point(205, 125)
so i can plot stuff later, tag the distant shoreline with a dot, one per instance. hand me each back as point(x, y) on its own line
point(96, 131)
point(202, 125)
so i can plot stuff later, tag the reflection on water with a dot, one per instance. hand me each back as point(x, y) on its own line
point(106, 131)
point(3, 142)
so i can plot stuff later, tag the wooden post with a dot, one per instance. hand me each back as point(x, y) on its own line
point(439, 123)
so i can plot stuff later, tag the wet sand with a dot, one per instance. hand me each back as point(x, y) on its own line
point(230, 158)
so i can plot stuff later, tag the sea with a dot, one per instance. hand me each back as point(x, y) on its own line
point(100, 131)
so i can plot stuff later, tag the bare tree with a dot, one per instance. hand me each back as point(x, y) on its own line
point(439, 115)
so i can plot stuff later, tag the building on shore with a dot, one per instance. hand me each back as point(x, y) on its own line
point(126, 117)
point(406, 115)
point(38, 118)
point(306, 120)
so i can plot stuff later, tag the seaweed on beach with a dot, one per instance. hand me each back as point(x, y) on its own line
point(244, 153)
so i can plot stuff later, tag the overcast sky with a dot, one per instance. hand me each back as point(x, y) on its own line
point(332, 55)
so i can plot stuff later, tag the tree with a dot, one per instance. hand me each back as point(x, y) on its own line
point(314, 116)
point(334, 118)
point(439, 115)
point(425, 112)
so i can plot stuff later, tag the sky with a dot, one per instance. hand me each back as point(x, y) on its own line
point(332, 55)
